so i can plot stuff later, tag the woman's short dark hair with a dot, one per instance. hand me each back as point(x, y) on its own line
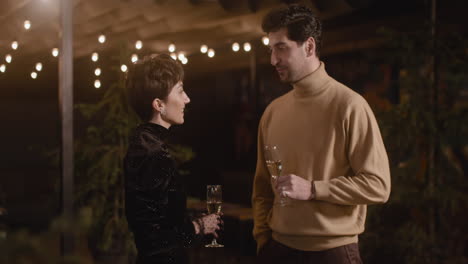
point(300, 22)
point(150, 78)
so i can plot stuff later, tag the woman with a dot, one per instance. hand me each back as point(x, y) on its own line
point(155, 200)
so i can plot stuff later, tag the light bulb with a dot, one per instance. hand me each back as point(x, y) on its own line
point(2, 68)
point(95, 57)
point(102, 39)
point(27, 24)
point(123, 68)
point(34, 75)
point(247, 47)
point(97, 84)
point(8, 58)
point(265, 40)
point(55, 52)
point(134, 58)
point(171, 48)
point(203, 48)
point(211, 53)
point(38, 66)
point(138, 44)
point(97, 71)
point(184, 60)
point(235, 47)
point(174, 56)
point(181, 56)
point(14, 45)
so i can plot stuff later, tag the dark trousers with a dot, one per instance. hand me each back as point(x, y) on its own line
point(274, 252)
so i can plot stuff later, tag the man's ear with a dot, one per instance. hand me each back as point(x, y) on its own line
point(310, 46)
point(158, 104)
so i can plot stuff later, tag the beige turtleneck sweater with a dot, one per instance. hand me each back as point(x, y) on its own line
point(326, 133)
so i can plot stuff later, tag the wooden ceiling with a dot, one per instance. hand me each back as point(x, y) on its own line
point(186, 23)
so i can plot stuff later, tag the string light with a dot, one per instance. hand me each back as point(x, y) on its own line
point(123, 68)
point(34, 75)
point(203, 48)
point(235, 47)
point(174, 56)
point(102, 39)
point(55, 52)
point(138, 44)
point(95, 57)
point(97, 71)
point(97, 84)
point(184, 60)
point(38, 66)
point(211, 53)
point(8, 58)
point(265, 40)
point(2, 68)
point(134, 58)
point(181, 56)
point(247, 47)
point(171, 48)
point(27, 24)
point(14, 45)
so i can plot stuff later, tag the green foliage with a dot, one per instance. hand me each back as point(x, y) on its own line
point(23, 247)
point(99, 171)
point(422, 222)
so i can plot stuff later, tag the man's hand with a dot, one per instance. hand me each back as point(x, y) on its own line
point(294, 187)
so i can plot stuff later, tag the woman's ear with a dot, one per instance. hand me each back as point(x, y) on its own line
point(158, 105)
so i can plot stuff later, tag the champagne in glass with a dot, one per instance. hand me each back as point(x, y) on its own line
point(274, 165)
point(213, 205)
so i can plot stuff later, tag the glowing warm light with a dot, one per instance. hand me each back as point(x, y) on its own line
point(8, 58)
point(181, 56)
point(123, 68)
point(171, 48)
point(235, 47)
point(203, 48)
point(2, 68)
point(102, 39)
point(211, 53)
point(95, 57)
point(55, 52)
point(27, 24)
point(247, 47)
point(97, 84)
point(38, 66)
point(265, 40)
point(34, 75)
point(184, 60)
point(97, 71)
point(134, 58)
point(174, 56)
point(14, 45)
point(139, 44)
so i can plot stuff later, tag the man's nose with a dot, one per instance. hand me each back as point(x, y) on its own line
point(273, 59)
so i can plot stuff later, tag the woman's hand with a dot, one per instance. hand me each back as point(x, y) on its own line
point(208, 224)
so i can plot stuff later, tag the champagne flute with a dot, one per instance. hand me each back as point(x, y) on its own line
point(213, 203)
point(274, 165)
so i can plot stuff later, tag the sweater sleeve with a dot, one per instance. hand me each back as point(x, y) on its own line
point(368, 160)
point(262, 197)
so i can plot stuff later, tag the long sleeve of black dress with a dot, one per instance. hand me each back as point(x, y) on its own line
point(155, 200)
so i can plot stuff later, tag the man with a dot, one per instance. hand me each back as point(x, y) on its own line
point(333, 158)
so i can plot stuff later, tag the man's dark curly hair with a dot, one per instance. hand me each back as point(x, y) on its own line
point(150, 78)
point(300, 22)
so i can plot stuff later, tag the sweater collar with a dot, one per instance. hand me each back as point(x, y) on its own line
point(313, 83)
point(156, 129)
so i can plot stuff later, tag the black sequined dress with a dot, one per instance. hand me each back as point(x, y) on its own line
point(155, 200)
